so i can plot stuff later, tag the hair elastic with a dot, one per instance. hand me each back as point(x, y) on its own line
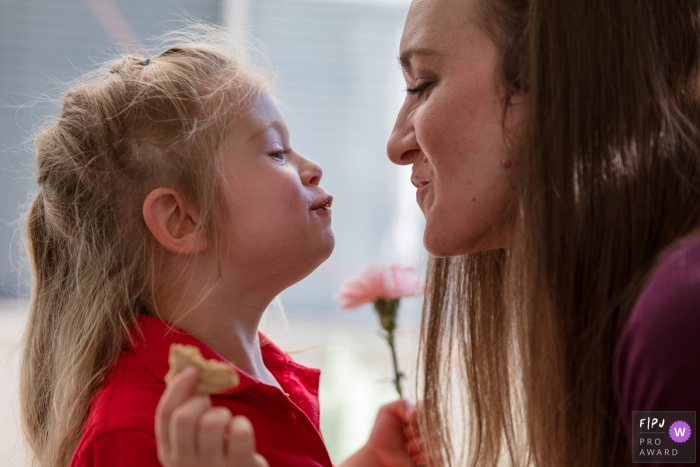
point(145, 62)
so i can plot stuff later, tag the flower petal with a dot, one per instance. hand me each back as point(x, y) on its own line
point(379, 281)
point(405, 281)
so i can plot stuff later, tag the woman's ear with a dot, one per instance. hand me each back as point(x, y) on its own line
point(173, 223)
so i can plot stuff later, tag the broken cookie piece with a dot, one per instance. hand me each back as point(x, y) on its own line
point(214, 376)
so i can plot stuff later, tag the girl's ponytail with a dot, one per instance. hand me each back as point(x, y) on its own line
point(43, 252)
point(79, 315)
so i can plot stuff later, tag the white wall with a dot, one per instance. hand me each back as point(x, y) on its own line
point(12, 319)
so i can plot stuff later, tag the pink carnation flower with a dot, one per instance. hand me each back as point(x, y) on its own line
point(380, 281)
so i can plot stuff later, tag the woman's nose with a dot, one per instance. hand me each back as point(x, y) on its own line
point(310, 172)
point(402, 147)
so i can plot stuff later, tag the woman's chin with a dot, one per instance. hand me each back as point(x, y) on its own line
point(442, 245)
point(439, 245)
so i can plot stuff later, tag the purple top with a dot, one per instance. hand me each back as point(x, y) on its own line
point(657, 358)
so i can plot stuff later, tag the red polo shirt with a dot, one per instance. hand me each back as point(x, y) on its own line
point(119, 430)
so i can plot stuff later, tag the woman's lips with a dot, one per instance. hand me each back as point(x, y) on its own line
point(420, 192)
point(421, 185)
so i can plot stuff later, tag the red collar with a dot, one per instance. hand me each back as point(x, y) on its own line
point(151, 339)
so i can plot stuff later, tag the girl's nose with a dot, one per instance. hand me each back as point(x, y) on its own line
point(402, 147)
point(310, 172)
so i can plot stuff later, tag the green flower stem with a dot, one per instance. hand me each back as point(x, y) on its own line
point(387, 310)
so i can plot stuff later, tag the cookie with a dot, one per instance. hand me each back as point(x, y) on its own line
point(215, 376)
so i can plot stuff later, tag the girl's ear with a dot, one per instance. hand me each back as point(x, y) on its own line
point(173, 222)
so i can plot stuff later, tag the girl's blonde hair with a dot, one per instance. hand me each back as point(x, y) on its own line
point(147, 123)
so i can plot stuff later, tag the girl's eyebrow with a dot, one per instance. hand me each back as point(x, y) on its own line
point(278, 125)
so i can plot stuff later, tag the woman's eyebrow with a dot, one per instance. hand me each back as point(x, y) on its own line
point(406, 56)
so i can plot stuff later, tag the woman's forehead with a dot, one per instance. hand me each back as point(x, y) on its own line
point(436, 25)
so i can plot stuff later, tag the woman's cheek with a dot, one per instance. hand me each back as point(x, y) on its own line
point(436, 125)
point(425, 117)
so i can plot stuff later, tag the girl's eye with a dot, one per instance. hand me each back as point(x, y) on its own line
point(279, 156)
point(420, 89)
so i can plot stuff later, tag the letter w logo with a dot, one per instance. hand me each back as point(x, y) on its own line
point(680, 432)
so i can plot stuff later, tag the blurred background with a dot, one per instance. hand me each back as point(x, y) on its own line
point(340, 88)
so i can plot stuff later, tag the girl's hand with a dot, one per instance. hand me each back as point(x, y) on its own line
point(415, 443)
point(192, 433)
point(394, 440)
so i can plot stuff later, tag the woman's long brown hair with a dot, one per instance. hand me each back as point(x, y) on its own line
point(608, 176)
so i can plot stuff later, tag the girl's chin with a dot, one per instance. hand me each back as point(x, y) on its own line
point(321, 249)
point(329, 242)
point(308, 263)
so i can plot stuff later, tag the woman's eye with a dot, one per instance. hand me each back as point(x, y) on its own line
point(420, 89)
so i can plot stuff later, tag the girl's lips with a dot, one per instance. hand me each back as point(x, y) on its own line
point(325, 203)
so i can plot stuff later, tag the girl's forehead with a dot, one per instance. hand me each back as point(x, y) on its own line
point(264, 114)
point(260, 116)
point(265, 109)
point(260, 109)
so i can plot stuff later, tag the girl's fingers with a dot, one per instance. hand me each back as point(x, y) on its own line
point(211, 431)
point(188, 429)
point(418, 459)
point(241, 444)
point(411, 429)
point(414, 446)
point(179, 389)
point(411, 414)
point(241, 441)
point(183, 426)
point(259, 461)
point(393, 414)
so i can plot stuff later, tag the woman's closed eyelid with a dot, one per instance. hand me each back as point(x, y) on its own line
point(420, 88)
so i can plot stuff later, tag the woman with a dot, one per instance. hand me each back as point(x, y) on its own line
point(556, 152)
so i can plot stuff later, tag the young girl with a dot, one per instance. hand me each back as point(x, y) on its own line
point(173, 209)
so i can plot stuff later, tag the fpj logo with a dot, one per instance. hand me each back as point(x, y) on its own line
point(663, 437)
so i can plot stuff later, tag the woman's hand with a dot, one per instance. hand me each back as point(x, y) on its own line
point(394, 441)
point(192, 433)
